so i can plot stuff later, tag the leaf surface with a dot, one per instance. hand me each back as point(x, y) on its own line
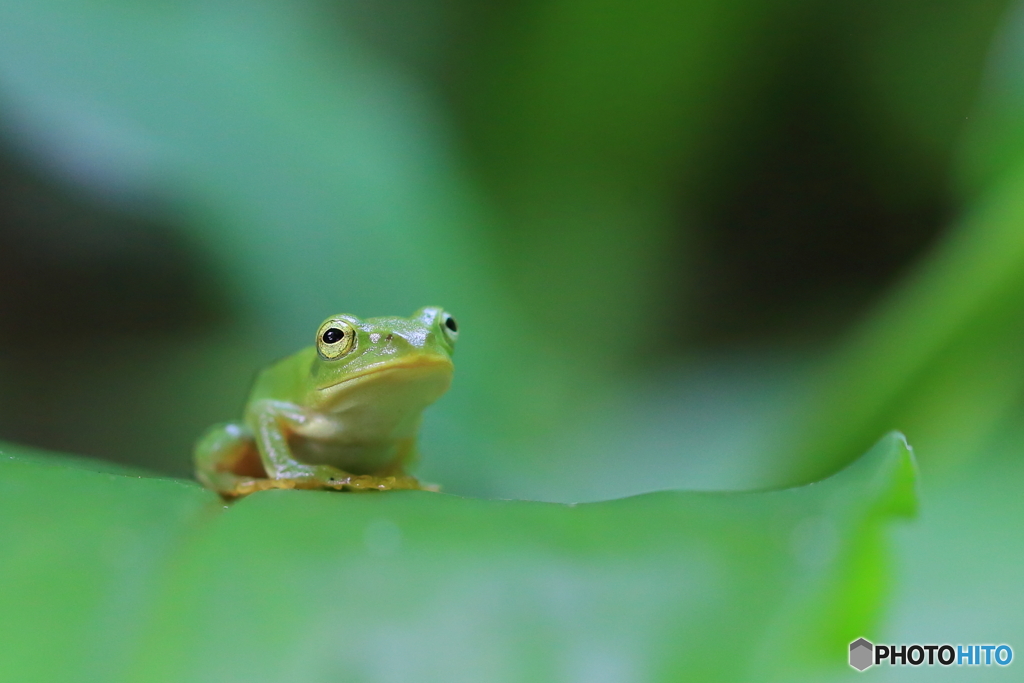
point(114, 577)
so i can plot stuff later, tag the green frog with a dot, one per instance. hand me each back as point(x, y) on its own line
point(342, 414)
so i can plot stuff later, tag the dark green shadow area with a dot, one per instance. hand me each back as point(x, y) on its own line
point(107, 577)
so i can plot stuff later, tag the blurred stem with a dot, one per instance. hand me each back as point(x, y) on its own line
point(940, 359)
point(589, 121)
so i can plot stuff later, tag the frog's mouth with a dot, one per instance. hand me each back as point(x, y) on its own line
point(425, 365)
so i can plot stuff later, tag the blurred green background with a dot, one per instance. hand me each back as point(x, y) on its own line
point(690, 245)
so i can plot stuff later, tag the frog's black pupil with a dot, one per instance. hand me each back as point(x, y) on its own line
point(333, 336)
point(450, 324)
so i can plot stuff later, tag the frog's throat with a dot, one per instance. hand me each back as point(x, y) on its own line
point(439, 363)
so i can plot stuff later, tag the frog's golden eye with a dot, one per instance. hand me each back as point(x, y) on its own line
point(335, 338)
point(449, 327)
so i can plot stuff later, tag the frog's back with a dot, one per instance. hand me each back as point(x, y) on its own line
point(285, 380)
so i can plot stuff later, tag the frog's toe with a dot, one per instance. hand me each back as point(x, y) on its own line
point(244, 487)
point(369, 482)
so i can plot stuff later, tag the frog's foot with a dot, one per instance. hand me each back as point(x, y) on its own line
point(369, 482)
point(327, 477)
point(233, 486)
point(310, 477)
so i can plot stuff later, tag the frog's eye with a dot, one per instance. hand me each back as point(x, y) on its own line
point(449, 327)
point(335, 338)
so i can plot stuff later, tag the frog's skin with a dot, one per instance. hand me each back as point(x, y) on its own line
point(342, 414)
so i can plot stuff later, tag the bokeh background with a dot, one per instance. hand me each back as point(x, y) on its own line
point(699, 245)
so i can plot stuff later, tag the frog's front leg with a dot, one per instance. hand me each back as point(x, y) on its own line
point(272, 423)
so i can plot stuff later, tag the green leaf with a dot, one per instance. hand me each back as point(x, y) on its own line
point(128, 578)
point(82, 551)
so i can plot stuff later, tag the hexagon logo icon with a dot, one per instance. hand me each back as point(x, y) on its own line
point(861, 652)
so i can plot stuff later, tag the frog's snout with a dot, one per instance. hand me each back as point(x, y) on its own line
point(396, 343)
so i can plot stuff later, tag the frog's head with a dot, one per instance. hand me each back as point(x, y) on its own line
point(394, 356)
